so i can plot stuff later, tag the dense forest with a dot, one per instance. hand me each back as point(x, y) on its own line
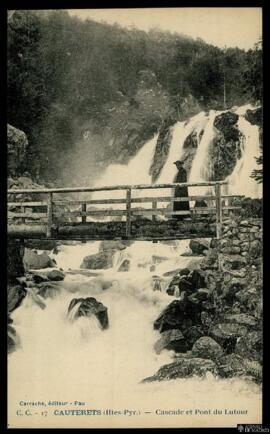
point(88, 93)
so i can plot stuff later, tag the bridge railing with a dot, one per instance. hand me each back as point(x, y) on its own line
point(54, 211)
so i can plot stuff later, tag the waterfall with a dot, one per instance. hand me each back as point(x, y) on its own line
point(240, 181)
point(137, 171)
point(200, 168)
point(73, 312)
point(180, 132)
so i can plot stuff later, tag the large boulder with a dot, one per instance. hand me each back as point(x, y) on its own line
point(198, 246)
point(233, 365)
point(87, 307)
point(101, 260)
point(56, 275)
point(34, 261)
point(179, 314)
point(171, 340)
point(184, 368)
point(207, 348)
point(255, 116)
point(17, 144)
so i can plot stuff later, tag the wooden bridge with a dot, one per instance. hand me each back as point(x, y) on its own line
point(66, 213)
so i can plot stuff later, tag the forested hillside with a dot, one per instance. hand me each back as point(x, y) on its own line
point(87, 94)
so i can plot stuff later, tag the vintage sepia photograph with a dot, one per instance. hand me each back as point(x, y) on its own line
point(135, 154)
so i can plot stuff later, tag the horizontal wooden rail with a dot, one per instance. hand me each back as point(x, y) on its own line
point(120, 201)
point(27, 204)
point(115, 187)
point(33, 215)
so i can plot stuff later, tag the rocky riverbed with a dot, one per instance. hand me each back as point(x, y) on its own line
point(214, 321)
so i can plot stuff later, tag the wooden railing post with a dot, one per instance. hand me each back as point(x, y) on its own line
point(154, 207)
point(128, 212)
point(218, 210)
point(84, 211)
point(23, 212)
point(49, 215)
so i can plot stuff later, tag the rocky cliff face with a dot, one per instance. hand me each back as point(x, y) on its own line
point(17, 144)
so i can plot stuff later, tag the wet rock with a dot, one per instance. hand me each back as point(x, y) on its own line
point(255, 116)
point(173, 290)
point(254, 370)
point(247, 298)
point(235, 262)
point(226, 334)
point(48, 289)
point(13, 340)
point(90, 306)
point(250, 346)
point(234, 365)
point(41, 244)
point(34, 261)
point(231, 365)
point(184, 272)
point(39, 278)
point(185, 283)
point(184, 368)
point(225, 121)
point(102, 260)
point(207, 348)
point(234, 285)
point(171, 340)
point(114, 245)
point(201, 294)
point(15, 296)
point(197, 280)
point(125, 266)
point(198, 246)
point(241, 318)
point(192, 334)
point(231, 250)
point(179, 314)
point(56, 275)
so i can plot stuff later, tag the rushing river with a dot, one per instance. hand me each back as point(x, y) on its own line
point(61, 360)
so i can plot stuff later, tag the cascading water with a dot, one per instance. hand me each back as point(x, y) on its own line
point(200, 165)
point(180, 132)
point(240, 181)
point(67, 360)
point(137, 171)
